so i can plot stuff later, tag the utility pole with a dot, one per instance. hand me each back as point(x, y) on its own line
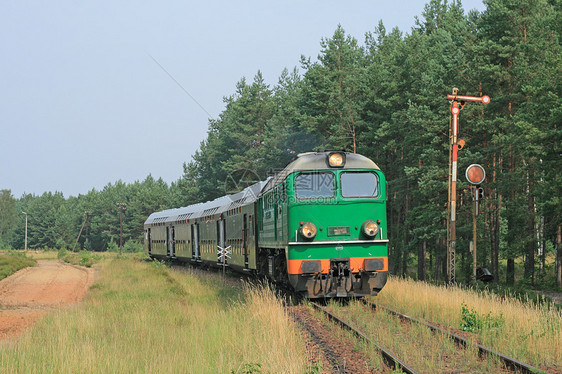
point(86, 216)
point(25, 245)
point(456, 99)
point(122, 207)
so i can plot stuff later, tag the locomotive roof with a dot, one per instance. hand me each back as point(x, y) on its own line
point(217, 206)
point(317, 161)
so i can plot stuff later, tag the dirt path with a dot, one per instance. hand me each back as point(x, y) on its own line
point(31, 292)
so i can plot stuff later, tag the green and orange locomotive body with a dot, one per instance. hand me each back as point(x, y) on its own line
point(319, 226)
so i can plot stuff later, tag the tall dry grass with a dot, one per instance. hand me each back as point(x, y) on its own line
point(523, 330)
point(143, 317)
point(414, 344)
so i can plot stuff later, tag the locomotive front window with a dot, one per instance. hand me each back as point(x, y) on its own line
point(314, 185)
point(359, 184)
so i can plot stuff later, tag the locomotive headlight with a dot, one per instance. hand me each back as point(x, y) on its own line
point(336, 160)
point(308, 230)
point(370, 228)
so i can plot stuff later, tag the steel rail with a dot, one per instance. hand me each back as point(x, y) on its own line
point(511, 363)
point(390, 359)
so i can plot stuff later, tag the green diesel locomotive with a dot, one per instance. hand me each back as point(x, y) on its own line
point(319, 226)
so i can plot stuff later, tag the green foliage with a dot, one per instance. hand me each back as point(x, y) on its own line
point(469, 320)
point(62, 253)
point(249, 368)
point(8, 217)
point(3, 244)
point(82, 258)
point(112, 246)
point(472, 322)
point(133, 246)
point(315, 369)
point(13, 261)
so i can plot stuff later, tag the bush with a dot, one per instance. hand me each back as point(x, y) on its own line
point(133, 246)
point(82, 258)
point(4, 245)
point(472, 322)
point(62, 253)
point(12, 262)
point(112, 246)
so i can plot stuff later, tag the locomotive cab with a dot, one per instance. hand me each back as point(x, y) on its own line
point(333, 206)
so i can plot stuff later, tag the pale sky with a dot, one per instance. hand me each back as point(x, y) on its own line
point(83, 104)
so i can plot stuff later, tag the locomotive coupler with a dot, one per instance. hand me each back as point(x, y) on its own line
point(341, 268)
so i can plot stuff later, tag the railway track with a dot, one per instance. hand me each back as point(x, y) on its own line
point(390, 359)
point(510, 363)
point(394, 362)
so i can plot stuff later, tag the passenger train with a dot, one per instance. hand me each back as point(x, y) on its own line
point(318, 226)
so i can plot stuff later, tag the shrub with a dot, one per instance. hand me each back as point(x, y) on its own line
point(62, 253)
point(12, 262)
point(112, 246)
point(133, 246)
point(472, 322)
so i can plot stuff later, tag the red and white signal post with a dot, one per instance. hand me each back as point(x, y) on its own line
point(453, 152)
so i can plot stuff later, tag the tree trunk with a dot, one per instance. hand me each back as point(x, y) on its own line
point(431, 261)
point(510, 274)
point(406, 236)
point(559, 257)
point(421, 261)
point(494, 247)
point(396, 252)
point(530, 260)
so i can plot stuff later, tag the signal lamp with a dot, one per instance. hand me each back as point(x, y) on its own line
point(475, 174)
point(309, 230)
point(479, 195)
point(370, 228)
point(336, 160)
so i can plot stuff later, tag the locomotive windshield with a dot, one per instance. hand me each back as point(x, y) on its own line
point(359, 184)
point(314, 185)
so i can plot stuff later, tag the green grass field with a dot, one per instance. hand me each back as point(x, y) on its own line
point(145, 317)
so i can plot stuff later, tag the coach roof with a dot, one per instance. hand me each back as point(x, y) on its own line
point(217, 206)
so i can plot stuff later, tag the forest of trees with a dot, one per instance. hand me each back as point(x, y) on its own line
point(384, 97)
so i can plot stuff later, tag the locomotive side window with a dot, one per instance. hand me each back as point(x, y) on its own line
point(314, 185)
point(359, 184)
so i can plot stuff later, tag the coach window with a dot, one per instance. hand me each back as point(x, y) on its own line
point(359, 184)
point(314, 185)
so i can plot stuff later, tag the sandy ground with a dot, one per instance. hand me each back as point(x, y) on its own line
point(31, 292)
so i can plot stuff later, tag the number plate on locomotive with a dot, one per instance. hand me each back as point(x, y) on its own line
point(338, 230)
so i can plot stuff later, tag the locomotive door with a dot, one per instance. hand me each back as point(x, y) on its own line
point(149, 241)
point(245, 240)
point(195, 241)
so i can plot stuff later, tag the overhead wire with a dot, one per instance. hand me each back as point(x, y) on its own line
point(179, 84)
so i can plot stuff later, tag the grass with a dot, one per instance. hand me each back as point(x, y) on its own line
point(11, 261)
point(527, 331)
point(82, 258)
point(145, 317)
point(416, 345)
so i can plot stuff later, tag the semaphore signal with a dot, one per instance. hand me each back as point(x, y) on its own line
point(453, 153)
